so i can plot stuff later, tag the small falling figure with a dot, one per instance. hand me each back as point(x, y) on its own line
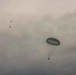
point(9, 26)
point(10, 21)
point(48, 58)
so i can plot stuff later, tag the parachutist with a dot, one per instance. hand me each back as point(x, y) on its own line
point(48, 58)
point(54, 42)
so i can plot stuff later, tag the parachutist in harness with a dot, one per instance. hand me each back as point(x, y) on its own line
point(48, 58)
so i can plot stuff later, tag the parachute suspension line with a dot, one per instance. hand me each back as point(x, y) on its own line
point(51, 53)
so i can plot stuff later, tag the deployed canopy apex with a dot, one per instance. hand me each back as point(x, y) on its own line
point(53, 41)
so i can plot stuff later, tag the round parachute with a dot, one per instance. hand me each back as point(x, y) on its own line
point(53, 41)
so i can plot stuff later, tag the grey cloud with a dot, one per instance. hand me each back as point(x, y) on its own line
point(37, 8)
point(23, 49)
point(22, 46)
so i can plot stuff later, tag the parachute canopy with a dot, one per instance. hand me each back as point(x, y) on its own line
point(53, 41)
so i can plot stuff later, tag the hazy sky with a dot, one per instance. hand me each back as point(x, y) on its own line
point(37, 7)
point(23, 47)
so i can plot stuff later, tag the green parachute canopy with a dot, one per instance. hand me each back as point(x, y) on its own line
point(53, 41)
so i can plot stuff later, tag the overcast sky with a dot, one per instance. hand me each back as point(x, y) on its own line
point(23, 47)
